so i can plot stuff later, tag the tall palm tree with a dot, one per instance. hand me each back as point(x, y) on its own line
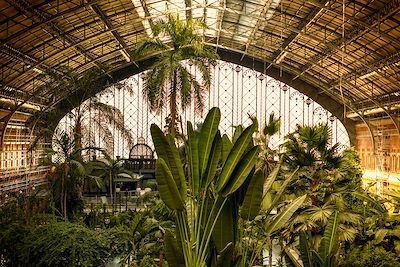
point(169, 79)
point(66, 173)
point(74, 95)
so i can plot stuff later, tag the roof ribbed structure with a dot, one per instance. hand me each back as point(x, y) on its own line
point(348, 51)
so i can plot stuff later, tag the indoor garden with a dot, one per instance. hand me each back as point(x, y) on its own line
point(194, 162)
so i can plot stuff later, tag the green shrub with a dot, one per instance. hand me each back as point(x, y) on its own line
point(368, 256)
point(54, 244)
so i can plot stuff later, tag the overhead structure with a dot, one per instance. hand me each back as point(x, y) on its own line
point(310, 44)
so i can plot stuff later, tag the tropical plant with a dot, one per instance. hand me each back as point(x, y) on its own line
point(370, 255)
point(328, 177)
point(109, 170)
point(74, 95)
point(323, 170)
point(66, 174)
point(170, 79)
point(325, 252)
point(217, 184)
point(51, 243)
point(267, 156)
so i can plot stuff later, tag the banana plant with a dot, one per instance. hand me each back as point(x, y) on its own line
point(209, 189)
point(205, 189)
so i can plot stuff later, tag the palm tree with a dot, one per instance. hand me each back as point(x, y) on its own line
point(323, 171)
point(66, 173)
point(328, 178)
point(109, 170)
point(73, 94)
point(169, 79)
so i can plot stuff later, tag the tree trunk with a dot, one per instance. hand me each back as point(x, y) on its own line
point(111, 189)
point(172, 105)
point(78, 136)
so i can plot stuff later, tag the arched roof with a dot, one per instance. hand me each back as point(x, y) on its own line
point(347, 53)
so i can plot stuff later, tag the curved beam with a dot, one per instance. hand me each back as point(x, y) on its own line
point(302, 86)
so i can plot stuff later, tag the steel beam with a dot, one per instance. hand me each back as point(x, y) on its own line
point(16, 55)
point(125, 52)
point(52, 28)
point(268, 7)
point(354, 33)
point(300, 28)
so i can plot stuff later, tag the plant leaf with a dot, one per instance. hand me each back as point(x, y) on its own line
point(329, 240)
point(167, 188)
point(213, 160)
point(226, 148)
point(283, 217)
point(223, 231)
point(376, 205)
point(172, 251)
point(166, 149)
point(193, 159)
point(241, 172)
point(252, 200)
point(207, 134)
point(305, 252)
point(239, 148)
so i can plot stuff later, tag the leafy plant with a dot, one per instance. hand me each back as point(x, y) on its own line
point(169, 78)
point(107, 170)
point(66, 174)
point(54, 244)
point(217, 184)
point(369, 255)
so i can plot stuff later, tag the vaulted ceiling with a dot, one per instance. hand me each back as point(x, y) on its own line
point(349, 52)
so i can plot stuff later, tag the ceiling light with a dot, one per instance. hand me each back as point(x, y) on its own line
point(125, 55)
point(365, 76)
point(281, 57)
point(38, 70)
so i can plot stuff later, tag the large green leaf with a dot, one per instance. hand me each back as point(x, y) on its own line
point(330, 238)
point(167, 187)
point(237, 133)
point(241, 172)
point(173, 251)
point(380, 235)
point(193, 159)
point(179, 167)
point(207, 134)
point(305, 251)
point(80, 169)
point(213, 160)
point(252, 200)
point(226, 148)
point(239, 148)
point(284, 216)
point(271, 177)
point(166, 149)
point(280, 192)
point(223, 232)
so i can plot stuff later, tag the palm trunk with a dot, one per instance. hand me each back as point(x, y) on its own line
point(78, 136)
point(172, 105)
point(63, 197)
point(111, 189)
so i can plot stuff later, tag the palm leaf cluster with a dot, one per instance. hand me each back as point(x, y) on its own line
point(177, 46)
point(74, 95)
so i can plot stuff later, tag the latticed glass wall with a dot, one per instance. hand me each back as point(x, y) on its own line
point(238, 91)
